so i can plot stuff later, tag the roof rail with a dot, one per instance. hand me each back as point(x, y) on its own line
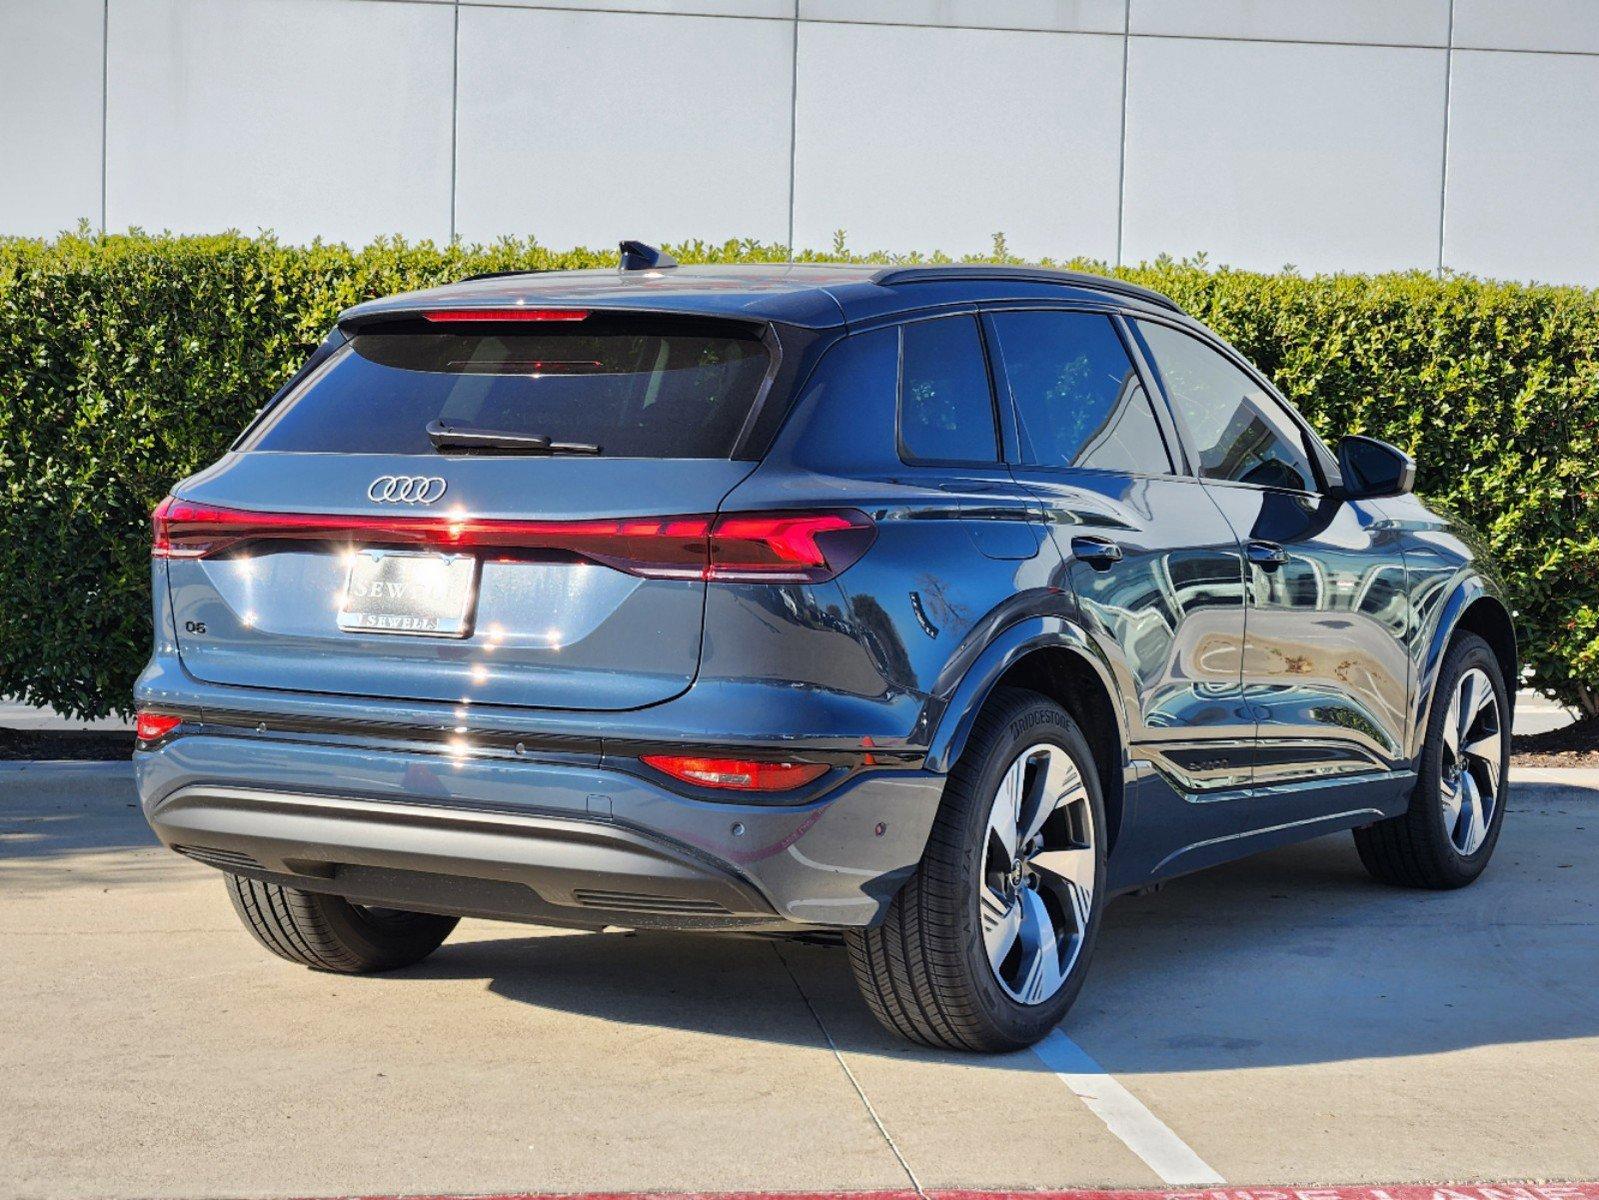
point(504, 274)
point(957, 272)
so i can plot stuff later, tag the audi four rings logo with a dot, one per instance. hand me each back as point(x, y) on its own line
point(405, 489)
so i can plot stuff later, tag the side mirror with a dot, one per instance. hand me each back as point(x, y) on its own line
point(1371, 468)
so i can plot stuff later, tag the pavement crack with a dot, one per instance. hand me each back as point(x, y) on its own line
point(871, 1111)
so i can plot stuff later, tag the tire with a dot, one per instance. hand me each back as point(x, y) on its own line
point(1435, 843)
point(926, 971)
point(329, 933)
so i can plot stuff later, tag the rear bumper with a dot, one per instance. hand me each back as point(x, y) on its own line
point(564, 843)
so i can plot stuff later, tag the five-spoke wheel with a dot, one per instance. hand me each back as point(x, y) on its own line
point(1037, 886)
point(986, 946)
point(1447, 835)
point(1472, 750)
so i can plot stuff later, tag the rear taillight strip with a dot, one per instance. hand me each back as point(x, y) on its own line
point(765, 547)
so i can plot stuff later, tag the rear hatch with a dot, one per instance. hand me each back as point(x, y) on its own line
point(397, 526)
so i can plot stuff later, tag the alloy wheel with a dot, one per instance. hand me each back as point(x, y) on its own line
point(1469, 776)
point(1038, 874)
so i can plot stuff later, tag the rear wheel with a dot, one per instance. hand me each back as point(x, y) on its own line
point(330, 933)
point(1452, 826)
point(986, 946)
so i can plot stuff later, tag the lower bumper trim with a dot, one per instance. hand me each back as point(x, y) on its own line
point(481, 862)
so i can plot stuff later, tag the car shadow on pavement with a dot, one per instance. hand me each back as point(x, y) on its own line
point(1291, 957)
point(66, 826)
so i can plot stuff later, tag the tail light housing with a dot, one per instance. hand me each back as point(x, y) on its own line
point(152, 727)
point(736, 774)
point(786, 547)
point(763, 547)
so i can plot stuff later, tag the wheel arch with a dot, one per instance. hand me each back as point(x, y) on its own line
point(1489, 619)
point(1475, 606)
point(1055, 658)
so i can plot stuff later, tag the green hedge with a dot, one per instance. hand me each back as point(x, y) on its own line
point(127, 362)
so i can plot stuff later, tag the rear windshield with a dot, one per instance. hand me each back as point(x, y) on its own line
point(654, 389)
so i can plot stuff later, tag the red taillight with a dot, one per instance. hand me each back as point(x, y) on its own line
point(736, 547)
point(736, 774)
point(506, 314)
point(152, 727)
point(161, 538)
point(786, 547)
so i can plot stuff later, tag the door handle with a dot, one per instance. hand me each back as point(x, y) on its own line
point(1266, 555)
point(1097, 552)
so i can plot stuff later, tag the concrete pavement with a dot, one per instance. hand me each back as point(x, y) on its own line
point(1539, 714)
point(16, 715)
point(1284, 1017)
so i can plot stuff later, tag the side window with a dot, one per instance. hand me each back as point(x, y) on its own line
point(1238, 429)
point(1078, 400)
point(946, 411)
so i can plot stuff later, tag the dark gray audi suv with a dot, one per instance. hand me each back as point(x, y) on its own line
point(934, 605)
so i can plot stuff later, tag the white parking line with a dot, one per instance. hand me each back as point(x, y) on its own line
point(1140, 1130)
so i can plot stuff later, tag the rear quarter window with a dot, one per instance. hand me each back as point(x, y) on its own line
point(946, 407)
point(653, 388)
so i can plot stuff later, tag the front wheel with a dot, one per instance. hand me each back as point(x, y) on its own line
point(330, 933)
point(1448, 834)
point(986, 946)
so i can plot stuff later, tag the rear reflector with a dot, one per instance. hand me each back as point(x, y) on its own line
point(152, 727)
point(505, 314)
point(731, 548)
point(735, 773)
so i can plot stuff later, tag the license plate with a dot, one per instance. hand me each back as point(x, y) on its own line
point(409, 592)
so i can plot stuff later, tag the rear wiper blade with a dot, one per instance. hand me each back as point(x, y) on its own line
point(450, 437)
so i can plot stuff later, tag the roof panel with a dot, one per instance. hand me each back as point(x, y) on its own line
point(813, 295)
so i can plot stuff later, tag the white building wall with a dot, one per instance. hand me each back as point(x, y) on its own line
point(1331, 134)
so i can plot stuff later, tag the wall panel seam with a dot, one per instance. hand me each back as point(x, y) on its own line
point(1443, 173)
point(1121, 151)
point(969, 28)
point(627, 10)
point(793, 123)
point(617, 10)
point(455, 114)
point(1525, 50)
point(105, 104)
point(1111, 33)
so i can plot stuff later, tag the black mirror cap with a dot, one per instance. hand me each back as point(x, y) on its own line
point(1372, 468)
